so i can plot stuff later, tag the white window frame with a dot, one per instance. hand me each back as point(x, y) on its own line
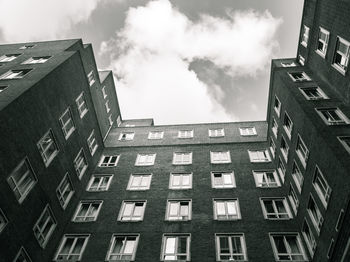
point(145, 163)
point(304, 77)
point(339, 220)
point(287, 129)
point(154, 135)
point(64, 125)
point(287, 246)
point(276, 215)
point(345, 144)
point(322, 52)
point(277, 107)
point(22, 252)
point(126, 136)
point(122, 256)
point(175, 255)
point(3, 220)
point(15, 74)
point(293, 199)
point(3, 87)
point(92, 143)
point(301, 60)
point(60, 193)
point(330, 249)
point(91, 77)
point(221, 160)
point(247, 131)
point(101, 186)
point(8, 57)
point(36, 60)
point(178, 216)
point(284, 148)
point(305, 36)
point(259, 156)
point(265, 183)
point(316, 216)
point(309, 240)
point(232, 246)
point(40, 226)
point(344, 120)
point(71, 249)
point(132, 217)
point(185, 134)
point(227, 215)
point(104, 94)
point(108, 108)
point(132, 187)
point(27, 46)
point(281, 169)
point(273, 147)
point(288, 64)
point(80, 160)
point(222, 184)
point(324, 197)
point(297, 176)
point(180, 186)
point(321, 96)
point(345, 56)
point(110, 120)
point(81, 105)
point(106, 160)
point(302, 151)
point(216, 132)
point(182, 158)
point(87, 217)
point(47, 159)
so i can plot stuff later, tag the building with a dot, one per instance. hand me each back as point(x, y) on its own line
point(79, 183)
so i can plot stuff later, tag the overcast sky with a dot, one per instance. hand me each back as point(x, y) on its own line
point(180, 61)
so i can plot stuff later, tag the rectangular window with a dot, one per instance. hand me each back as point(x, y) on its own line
point(180, 181)
point(223, 180)
point(220, 157)
point(274, 127)
point(302, 151)
point(301, 60)
point(15, 74)
point(45, 226)
point(322, 44)
point(155, 135)
point(275, 208)
point(277, 106)
point(2, 88)
point(65, 191)
point(332, 116)
point(126, 136)
point(293, 198)
point(91, 78)
point(309, 238)
point(110, 120)
point(92, 143)
point(297, 176)
point(22, 180)
point(313, 93)
point(139, 182)
point(47, 147)
point(123, 247)
point(81, 104)
point(339, 220)
point(87, 211)
point(330, 249)
point(178, 210)
point(3, 220)
point(217, 132)
point(71, 247)
point(185, 134)
point(109, 161)
point(80, 163)
point(247, 131)
point(27, 47)
point(258, 156)
point(104, 93)
point(315, 214)
point(230, 247)
point(287, 125)
point(37, 60)
point(182, 158)
point(341, 55)
point(299, 76)
point(288, 64)
point(107, 106)
point(345, 141)
point(145, 159)
point(226, 209)
point(287, 247)
point(305, 35)
point(272, 147)
point(281, 169)
point(176, 247)
point(321, 186)
point(132, 211)
point(8, 58)
point(99, 182)
point(266, 179)
point(67, 124)
point(22, 256)
point(284, 149)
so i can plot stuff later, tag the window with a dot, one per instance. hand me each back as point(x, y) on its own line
point(110, 120)
point(92, 143)
point(247, 131)
point(345, 141)
point(218, 132)
point(274, 127)
point(281, 169)
point(321, 186)
point(305, 35)
point(322, 44)
point(87, 211)
point(104, 93)
point(299, 76)
point(27, 47)
point(277, 106)
point(8, 58)
point(99, 182)
point(257, 156)
point(287, 247)
point(313, 93)
point(284, 148)
point(37, 60)
point(315, 214)
point(301, 60)
point(3, 220)
point(145, 159)
point(155, 135)
point(67, 123)
point(339, 220)
point(47, 147)
point(332, 116)
point(71, 247)
point(123, 248)
point(287, 125)
point(81, 104)
point(288, 64)
point(45, 226)
point(132, 211)
point(80, 163)
point(185, 134)
point(65, 191)
point(139, 182)
point(109, 161)
point(15, 74)
point(223, 180)
point(180, 181)
point(22, 256)
point(226, 209)
point(230, 247)
point(297, 176)
point(220, 157)
point(266, 178)
point(107, 106)
point(22, 180)
point(2, 88)
point(275, 208)
point(309, 238)
point(176, 247)
point(272, 147)
point(293, 198)
point(341, 55)
point(302, 151)
point(178, 210)
point(330, 249)
point(91, 78)
point(126, 136)
point(182, 158)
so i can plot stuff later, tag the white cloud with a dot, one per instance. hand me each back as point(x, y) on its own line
point(152, 53)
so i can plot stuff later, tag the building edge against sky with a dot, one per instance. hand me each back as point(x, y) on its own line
point(79, 183)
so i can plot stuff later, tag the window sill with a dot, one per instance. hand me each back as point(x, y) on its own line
point(320, 53)
point(339, 69)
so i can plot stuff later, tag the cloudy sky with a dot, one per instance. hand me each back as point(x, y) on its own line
point(177, 61)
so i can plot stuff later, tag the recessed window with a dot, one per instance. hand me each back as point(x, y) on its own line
point(80, 163)
point(22, 256)
point(345, 141)
point(322, 44)
point(104, 93)
point(92, 143)
point(185, 134)
point(266, 179)
point(176, 247)
point(309, 238)
point(339, 220)
point(275, 208)
point(281, 169)
point(341, 55)
point(332, 116)
point(87, 211)
point(45, 226)
point(299, 76)
point(305, 35)
point(288, 64)
point(155, 135)
point(110, 120)
point(293, 198)
point(81, 104)
point(126, 136)
point(230, 247)
point(180, 181)
point(302, 151)
point(71, 247)
point(220, 157)
point(65, 191)
point(217, 132)
point(247, 131)
point(22, 180)
point(313, 93)
point(26, 47)
point(99, 182)
point(277, 106)
point(37, 60)
point(321, 186)
point(178, 210)
point(91, 78)
point(67, 124)
point(3, 220)
point(258, 156)
point(284, 149)
point(223, 180)
point(139, 182)
point(226, 209)
point(330, 249)
point(109, 161)
point(287, 247)
point(8, 58)
point(184, 158)
point(15, 74)
point(2, 88)
point(145, 159)
point(297, 176)
point(47, 147)
point(315, 214)
point(132, 211)
point(287, 125)
point(107, 106)
point(301, 60)
point(272, 148)
point(274, 127)
point(123, 247)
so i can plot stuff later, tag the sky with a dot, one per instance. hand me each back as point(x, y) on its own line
point(176, 61)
